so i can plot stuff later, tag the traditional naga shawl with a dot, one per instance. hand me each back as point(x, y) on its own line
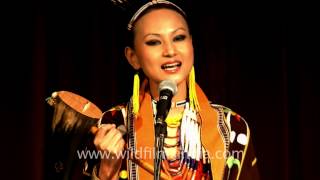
point(226, 148)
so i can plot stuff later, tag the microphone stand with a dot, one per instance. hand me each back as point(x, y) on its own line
point(167, 89)
point(160, 134)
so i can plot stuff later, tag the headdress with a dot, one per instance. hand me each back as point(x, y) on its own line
point(135, 8)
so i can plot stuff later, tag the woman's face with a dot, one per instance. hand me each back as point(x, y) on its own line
point(162, 47)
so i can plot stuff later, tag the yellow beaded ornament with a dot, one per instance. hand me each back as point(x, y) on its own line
point(123, 174)
point(194, 104)
point(174, 120)
point(135, 97)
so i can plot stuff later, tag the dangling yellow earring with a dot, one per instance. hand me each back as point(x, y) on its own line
point(194, 104)
point(135, 96)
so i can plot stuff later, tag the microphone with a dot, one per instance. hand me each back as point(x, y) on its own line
point(167, 89)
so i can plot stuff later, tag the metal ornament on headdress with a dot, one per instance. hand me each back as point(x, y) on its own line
point(120, 3)
point(145, 6)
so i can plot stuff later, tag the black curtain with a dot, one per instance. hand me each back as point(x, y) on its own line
point(241, 61)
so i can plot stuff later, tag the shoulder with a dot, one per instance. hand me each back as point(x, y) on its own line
point(240, 147)
point(237, 125)
point(231, 117)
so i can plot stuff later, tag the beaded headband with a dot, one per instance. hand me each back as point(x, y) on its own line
point(147, 5)
point(125, 3)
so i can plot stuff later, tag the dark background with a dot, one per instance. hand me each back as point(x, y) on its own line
point(242, 62)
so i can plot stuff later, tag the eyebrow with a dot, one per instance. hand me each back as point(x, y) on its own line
point(156, 34)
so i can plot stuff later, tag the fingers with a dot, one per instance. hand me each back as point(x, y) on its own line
point(102, 132)
point(109, 138)
point(119, 146)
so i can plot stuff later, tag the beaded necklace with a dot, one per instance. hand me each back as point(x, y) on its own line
point(174, 120)
point(188, 143)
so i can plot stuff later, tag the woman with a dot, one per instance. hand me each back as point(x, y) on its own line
point(204, 141)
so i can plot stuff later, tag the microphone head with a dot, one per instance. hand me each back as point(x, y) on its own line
point(169, 85)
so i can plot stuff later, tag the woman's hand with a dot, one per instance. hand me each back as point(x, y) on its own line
point(109, 141)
